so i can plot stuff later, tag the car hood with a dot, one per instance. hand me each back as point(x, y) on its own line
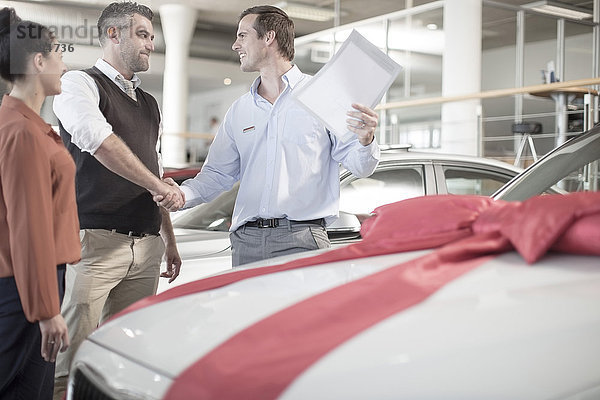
point(503, 328)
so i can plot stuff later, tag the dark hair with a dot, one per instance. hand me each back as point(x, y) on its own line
point(274, 19)
point(120, 15)
point(18, 40)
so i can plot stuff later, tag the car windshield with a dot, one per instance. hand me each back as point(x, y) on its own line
point(572, 167)
point(212, 216)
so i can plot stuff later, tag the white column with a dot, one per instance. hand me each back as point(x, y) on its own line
point(178, 22)
point(461, 74)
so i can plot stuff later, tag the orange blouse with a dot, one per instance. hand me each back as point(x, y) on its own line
point(39, 228)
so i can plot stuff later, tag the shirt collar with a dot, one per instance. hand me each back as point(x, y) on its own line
point(22, 108)
point(291, 78)
point(254, 87)
point(112, 73)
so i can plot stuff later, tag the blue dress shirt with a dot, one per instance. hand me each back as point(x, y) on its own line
point(285, 159)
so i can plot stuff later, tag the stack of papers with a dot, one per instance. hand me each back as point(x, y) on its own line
point(358, 73)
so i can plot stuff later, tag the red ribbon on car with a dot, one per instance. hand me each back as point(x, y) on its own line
point(261, 361)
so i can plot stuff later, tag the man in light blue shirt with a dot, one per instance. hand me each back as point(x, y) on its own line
point(285, 159)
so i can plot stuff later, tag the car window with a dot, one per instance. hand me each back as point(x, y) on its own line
point(460, 180)
point(363, 195)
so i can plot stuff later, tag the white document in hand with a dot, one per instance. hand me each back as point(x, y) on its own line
point(358, 73)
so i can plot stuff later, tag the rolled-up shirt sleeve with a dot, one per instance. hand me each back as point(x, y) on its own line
point(77, 110)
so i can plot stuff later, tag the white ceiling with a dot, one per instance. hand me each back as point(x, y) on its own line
point(217, 23)
point(217, 19)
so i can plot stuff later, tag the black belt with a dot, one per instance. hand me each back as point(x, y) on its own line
point(132, 233)
point(275, 222)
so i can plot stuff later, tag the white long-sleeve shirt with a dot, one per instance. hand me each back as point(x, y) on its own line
point(77, 108)
point(285, 159)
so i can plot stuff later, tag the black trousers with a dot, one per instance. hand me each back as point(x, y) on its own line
point(24, 375)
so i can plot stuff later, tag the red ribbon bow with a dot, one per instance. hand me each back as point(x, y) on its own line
point(469, 229)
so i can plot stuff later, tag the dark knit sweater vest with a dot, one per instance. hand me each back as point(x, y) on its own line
point(104, 199)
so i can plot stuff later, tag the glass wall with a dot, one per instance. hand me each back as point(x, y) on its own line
point(499, 27)
point(416, 43)
point(519, 48)
point(544, 49)
point(414, 38)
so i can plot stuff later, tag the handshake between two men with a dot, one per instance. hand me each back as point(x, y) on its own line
point(169, 195)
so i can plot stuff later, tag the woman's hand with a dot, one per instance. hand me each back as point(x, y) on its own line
point(54, 337)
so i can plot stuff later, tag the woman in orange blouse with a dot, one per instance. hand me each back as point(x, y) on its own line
point(39, 229)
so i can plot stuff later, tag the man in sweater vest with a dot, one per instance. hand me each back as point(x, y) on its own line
point(112, 129)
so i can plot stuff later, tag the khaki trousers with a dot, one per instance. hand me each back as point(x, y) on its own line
point(115, 271)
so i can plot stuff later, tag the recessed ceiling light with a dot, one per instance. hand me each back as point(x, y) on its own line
point(304, 11)
point(227, 81)
point(558, 9)
point(432, 27)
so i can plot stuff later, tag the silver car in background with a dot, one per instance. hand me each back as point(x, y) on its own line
point(202, 232)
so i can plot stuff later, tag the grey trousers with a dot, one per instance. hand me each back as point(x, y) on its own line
point(249, 244)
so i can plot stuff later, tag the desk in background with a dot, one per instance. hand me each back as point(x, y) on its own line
point(562, 98)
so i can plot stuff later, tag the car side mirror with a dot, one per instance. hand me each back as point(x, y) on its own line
point(347, 226)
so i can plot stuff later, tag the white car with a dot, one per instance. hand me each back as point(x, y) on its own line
point(459, 316)
point(202, 232)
